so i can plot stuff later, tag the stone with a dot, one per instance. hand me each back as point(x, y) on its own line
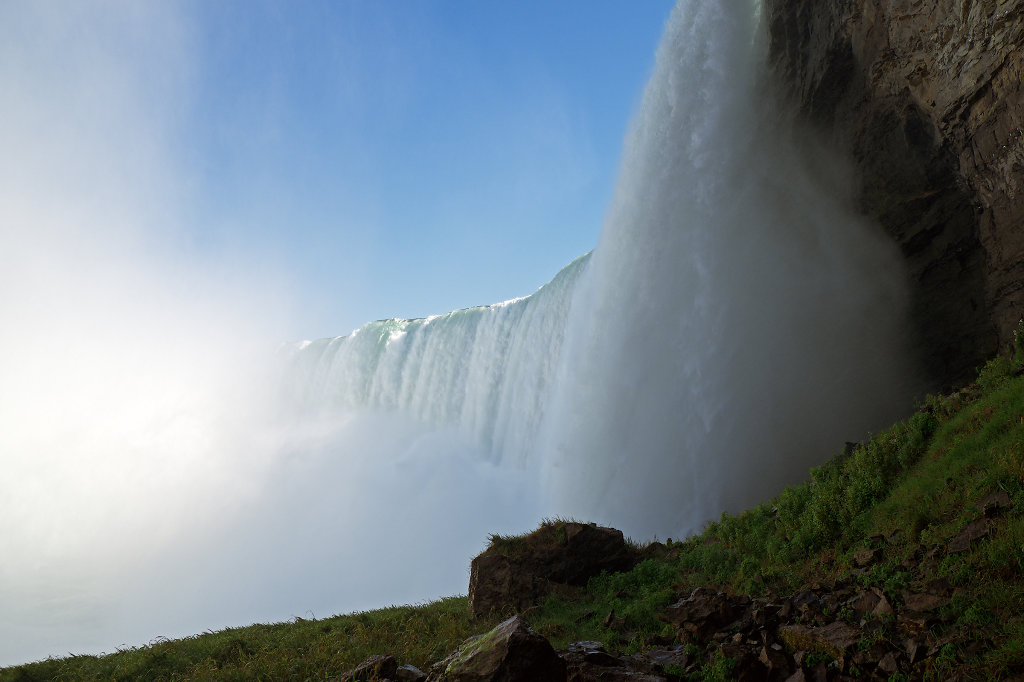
point(663, 657)
point(703, 612)
point(511, 652)
point(994, 503)
point(518, 573)
point(922, 601)
point(888, 664)
point(594, 653)
point(373, 669)
point(834, 639)
point(584, 674)
point(883, 608)
point(409, 673)
point(913, 622)
point(776, 662)
point(865, 557)
point(914, 650)
point(864, 603)
point(582, 666)
point(963, 540)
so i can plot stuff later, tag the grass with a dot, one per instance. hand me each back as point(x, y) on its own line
point(909, 489)
point(298, 650)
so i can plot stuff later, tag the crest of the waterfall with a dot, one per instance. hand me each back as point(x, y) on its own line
point(485, 371)
point(737, 323)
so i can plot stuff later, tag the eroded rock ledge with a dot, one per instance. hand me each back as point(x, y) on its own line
point(926, 98)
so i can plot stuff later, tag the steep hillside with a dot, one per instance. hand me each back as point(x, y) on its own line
point(910, 545)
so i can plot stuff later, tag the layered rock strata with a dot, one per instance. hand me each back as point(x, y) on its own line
point(925, 96)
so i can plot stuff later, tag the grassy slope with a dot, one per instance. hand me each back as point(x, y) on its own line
point(918, 483)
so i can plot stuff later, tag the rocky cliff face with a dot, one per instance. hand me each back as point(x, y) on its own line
point(926, 97)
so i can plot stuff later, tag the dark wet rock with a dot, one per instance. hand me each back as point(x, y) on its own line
point(914, 650)
point(594, 653)
point(520, 572)
point(864, 603)
point(995, 503)
point(511, 652)
point(803, 598)
point(869, 658)
point(586, 673)
point(834, 639)
point(865, 557)
point(888, 664)
point(913, 622)
point(819, 672)
point(963, 540)
point(766, 615)
point(922, 601)
point(409, 673)
point(776, 662)
point(748, 665)
point(373, 669)
point(703, 612)
point(671, 656)
point(589, 663)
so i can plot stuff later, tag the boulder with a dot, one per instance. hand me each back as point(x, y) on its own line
point(588, 667)
point(410, 673)
point(865, 557)
point(995, 503)
point(511, 652)
point(373, 669)
point(703, 612)
point(834, 639)
point(519, 572)
point(963, 540)
point(915, 601)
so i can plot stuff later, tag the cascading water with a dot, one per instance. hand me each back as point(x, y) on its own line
point(486, 370)
point(734, 326)
point(738, 322)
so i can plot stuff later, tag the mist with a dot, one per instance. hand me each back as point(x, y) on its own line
point(172, 465)
point(152, 485)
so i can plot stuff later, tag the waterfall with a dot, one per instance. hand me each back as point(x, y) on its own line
point(736, 324)
point(486, 370)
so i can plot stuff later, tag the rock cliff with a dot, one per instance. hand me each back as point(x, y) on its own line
point(925, 96)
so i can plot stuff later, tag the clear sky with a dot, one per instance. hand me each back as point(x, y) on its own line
point(408, 158)
point(341, 161)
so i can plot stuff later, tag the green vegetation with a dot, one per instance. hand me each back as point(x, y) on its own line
point(912, 488)
point(298, 650)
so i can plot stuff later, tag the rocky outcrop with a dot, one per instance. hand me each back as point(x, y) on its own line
point(511, 652)
point(518, 572)
point(925, 96)
point(860, 625)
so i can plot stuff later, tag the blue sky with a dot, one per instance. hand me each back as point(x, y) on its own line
point(316, 165)
point(405, 159)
